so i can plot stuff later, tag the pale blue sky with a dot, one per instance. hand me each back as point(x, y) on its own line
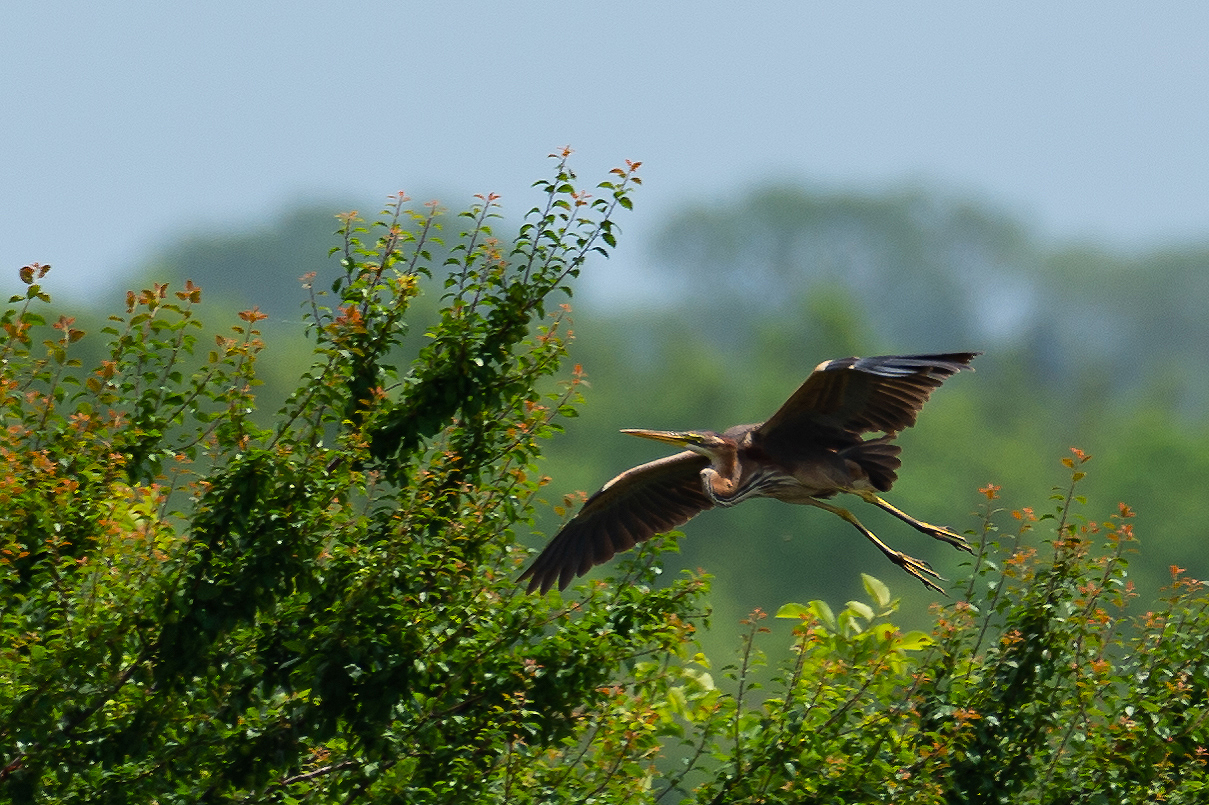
point(123, 123)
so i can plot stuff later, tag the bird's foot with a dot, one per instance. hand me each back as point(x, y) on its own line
point(935, 531)
point(917, 568)
point(945, 535)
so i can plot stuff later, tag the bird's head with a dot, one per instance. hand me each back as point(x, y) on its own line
point(706, 442)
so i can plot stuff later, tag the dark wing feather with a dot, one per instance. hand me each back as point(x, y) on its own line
point(850, 396)
point(633, 507)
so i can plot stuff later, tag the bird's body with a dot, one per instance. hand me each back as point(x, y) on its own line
point(811, 449)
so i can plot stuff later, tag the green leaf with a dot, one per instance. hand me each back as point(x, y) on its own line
point(795, 611)
point(877, 590)
point(823, 612)
point(862, 609)
point(914, 641)
point(679, 703)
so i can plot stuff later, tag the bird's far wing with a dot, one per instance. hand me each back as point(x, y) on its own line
point(634, 506)
point(860, 395)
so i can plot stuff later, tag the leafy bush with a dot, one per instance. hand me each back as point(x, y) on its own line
point(1036, 686)
point(198, 608)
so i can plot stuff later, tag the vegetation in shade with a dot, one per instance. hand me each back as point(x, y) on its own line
point(201, 605)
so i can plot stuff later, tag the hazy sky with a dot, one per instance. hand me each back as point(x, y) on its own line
point(124, 123)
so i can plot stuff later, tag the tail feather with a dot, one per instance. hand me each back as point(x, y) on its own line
point(879, 459)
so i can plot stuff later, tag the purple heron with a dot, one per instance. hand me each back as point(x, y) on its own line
point(809, 450)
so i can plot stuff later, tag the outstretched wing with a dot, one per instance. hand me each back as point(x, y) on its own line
point(850, 396)
point(641, 502)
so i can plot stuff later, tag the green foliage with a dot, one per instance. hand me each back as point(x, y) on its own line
point(200, 605)
point(197, 607)
point(1034, 687)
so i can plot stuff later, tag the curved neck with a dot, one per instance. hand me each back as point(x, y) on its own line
point(728, 480)
point(722, 478)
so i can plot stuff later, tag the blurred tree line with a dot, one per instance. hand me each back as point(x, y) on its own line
point(1084, 346)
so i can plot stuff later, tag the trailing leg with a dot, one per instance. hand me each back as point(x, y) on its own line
point(917, 568)
point(936, 532)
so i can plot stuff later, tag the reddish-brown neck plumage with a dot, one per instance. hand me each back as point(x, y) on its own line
point(721, 479)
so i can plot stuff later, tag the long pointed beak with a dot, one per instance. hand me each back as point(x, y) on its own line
point(678, 438)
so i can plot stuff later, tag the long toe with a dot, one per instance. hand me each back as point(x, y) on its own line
point(919, 569)
point(953, 538)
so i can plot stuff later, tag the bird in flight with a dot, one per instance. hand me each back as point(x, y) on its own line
point(808, 451)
